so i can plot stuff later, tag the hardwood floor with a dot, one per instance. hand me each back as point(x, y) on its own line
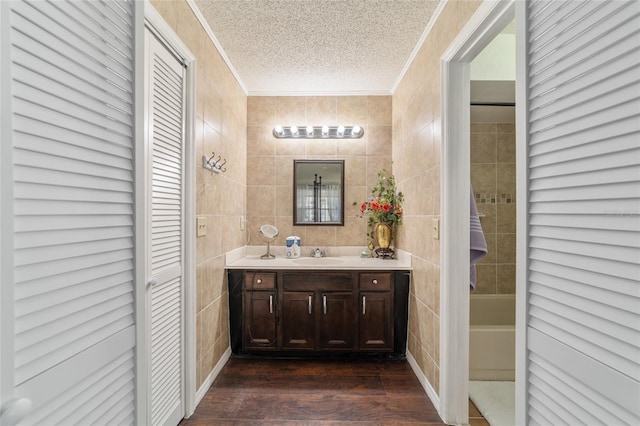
point(315, 392)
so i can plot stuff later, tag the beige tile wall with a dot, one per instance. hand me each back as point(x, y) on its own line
point(494, 184)
point(416, 164)
point(221, 120)
point(270, 161)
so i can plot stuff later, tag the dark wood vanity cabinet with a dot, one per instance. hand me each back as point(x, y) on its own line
point(297, 313)
point(310, 312)
point(317, 311)
point(375, 331)
point(259, 313)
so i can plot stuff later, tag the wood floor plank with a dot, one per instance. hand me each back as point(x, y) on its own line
point(315, 392)
point(299, 384)
point(313, 407)
point(402, 385)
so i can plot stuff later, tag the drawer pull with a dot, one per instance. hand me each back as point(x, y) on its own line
point(259, 280)
point(375, 282)
point(309, 305)
point(271, 304)
point(324, 303)
point(364, 305)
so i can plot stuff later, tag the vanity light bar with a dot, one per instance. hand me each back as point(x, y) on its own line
point(318, 132)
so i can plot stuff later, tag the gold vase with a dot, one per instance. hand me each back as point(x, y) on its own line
point(384, 234)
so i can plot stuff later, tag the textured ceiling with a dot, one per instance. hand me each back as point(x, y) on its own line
point(318, 46)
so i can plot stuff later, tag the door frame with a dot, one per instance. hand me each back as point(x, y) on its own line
point(6, 213)
point(487, 22)
point(163, 31)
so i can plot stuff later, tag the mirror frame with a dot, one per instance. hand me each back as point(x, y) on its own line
point(295, 192)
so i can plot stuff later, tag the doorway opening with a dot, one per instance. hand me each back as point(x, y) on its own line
point(488, 21)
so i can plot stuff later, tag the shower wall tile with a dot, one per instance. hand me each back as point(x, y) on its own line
point(484, 148)
point(506, 148)
point(506, 252)
point(485, 278)
point(483, 177)
point(505, 278)
point(506, 218)
point(493, 178)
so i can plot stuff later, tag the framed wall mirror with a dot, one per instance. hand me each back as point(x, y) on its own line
point(318, 192)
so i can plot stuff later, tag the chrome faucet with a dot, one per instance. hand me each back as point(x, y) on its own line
point(317, 252)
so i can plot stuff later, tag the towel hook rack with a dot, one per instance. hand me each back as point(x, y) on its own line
point(214, 165)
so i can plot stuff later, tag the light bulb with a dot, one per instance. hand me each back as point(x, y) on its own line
point(325, 130)
point(294, 130)
point(309, 130)
point(356, 130)
point(279, 130)
point(340, 130)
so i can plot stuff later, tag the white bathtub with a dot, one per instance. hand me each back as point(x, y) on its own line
point(492, 337)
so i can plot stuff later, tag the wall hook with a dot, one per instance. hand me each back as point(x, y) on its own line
point(214, 166)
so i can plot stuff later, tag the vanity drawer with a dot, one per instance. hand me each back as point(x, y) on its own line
point(375, 281)
point(259, 280)
point(329, 281)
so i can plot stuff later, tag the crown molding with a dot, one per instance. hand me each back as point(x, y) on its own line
point(305, 93)
point(216, 43)
point(423, 37)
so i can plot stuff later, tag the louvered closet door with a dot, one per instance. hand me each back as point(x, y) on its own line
point(166, 88)
point(583, 286)
point(68, 332)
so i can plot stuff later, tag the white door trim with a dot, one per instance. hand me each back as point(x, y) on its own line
point(161, 29)
point(522, 212)
point(490, 18)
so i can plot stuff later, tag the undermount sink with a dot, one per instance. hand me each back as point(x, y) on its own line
point(318, 261)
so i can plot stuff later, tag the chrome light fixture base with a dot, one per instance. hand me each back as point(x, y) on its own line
point(318, 132)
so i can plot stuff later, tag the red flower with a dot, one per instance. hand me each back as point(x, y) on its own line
point(363, 207)
point(375, 205)
point(386, 207)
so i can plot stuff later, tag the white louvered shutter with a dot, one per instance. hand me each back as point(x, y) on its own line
point(68, 252)
point(583, 286)
point(166, 106)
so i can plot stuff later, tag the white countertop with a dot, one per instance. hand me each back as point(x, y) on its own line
point(337, 258)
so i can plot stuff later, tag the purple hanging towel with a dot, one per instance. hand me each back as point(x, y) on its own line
point(478, 244)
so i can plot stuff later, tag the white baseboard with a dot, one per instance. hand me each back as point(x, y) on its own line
point(429, 390)
point(200, 393)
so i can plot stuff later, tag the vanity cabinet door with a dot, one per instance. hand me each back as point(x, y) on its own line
point(298, 310)
point(259, 319)
point(335, 321)
point(375, 321)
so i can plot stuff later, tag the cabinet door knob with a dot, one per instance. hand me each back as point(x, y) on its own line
point(324, 303)
point(259, 280)
point(270, 304)
point(309, 305)
point(364, 305)
point(375, 281)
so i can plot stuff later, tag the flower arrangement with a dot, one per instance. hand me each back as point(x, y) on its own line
point(385, 204)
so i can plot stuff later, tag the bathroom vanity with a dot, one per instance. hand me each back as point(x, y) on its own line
point(328, 306)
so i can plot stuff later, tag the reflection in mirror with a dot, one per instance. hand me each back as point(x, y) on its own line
point(318, 192)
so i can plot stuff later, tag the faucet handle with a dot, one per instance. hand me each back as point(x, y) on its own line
point(317, 252)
